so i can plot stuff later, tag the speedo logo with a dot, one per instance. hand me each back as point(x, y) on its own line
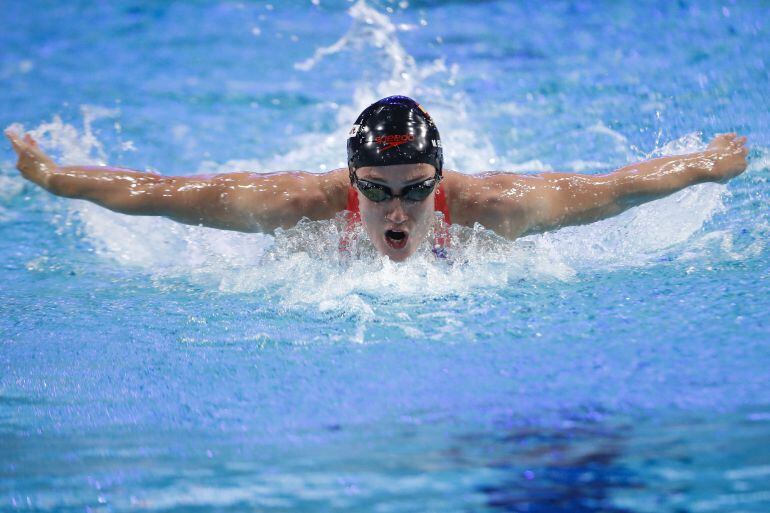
point(391, 141)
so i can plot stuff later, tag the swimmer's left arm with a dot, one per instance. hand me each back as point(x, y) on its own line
point(536, 203)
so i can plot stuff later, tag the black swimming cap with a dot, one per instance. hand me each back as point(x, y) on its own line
point(394, 130)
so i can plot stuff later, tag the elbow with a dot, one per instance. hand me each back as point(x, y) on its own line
point(62, 185)
point(305, 204)
point(505, 216)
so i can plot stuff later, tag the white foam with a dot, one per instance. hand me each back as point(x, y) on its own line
point(374, 33)
point(302, 267)
point(640, 235)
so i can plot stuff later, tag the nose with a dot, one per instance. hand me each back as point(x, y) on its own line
point(396, 213)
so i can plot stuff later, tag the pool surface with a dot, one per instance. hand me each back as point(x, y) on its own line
point(616, 367)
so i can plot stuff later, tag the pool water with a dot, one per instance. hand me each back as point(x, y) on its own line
point(615, 367)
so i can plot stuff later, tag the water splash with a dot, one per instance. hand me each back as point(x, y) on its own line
point(73, 146)
point(375, 36)
point(301, 268)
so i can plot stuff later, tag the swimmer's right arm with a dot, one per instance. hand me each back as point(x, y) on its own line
point(514, 205)
point(245, 202)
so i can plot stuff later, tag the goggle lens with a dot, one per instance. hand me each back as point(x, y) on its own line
point(372, 191)
point(378, 192)
point(420, 191)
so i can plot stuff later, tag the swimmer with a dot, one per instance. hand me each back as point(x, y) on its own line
point(394, 185)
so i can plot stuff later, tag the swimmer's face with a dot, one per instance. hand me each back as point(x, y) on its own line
point(397, 226)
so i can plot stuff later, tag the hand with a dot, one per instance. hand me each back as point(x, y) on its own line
point(33, 163)
point(729, 156)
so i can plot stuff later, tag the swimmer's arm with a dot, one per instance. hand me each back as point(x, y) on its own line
point(245, 202)
point(235, 201)
point(525, 204)
point(562, 199)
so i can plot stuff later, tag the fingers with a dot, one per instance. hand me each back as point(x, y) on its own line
point(26, 146)
point(11, 135)
point(18, 142)
point(731, 138)
point(727, 138)
point(738, 143)
point(18, 145)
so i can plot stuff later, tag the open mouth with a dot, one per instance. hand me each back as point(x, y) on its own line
point(396, 239)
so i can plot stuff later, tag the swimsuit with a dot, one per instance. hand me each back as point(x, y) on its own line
point(353, 218)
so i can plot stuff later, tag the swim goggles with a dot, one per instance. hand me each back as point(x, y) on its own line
point(377, 192)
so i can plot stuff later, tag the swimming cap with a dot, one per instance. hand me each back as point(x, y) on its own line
point(394, 130)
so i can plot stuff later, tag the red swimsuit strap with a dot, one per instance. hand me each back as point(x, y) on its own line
point(353, 203)
point(442, 205)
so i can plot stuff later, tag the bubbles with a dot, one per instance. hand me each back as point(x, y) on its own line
point(375, 36)
point(73, 146)
point(303, 269)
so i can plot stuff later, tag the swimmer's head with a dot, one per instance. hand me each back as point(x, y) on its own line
point(395, 163)
point(393, 131)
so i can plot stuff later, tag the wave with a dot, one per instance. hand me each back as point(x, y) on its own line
point(301, 267)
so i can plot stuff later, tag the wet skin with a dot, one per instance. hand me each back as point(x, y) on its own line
point(509, 204)
point(397, 226)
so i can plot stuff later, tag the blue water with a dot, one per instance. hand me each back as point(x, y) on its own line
point(621, 366)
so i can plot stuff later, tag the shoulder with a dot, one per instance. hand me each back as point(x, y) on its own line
point(483, 198)
point(316, 195)
point(334, 187)
point(321, 195)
